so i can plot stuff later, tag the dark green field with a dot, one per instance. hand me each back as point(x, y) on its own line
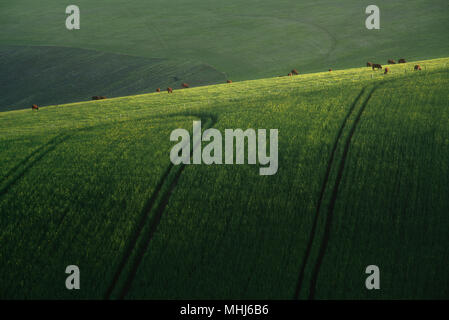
point(362, 179)
point(57, 75)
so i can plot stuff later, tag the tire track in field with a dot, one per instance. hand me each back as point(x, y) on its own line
point(333, 200)
point(160, 206)
point(27, 163)
point(42, 151)
point(25, 160)
point(321, 196)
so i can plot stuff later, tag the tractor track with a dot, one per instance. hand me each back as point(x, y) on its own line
point(26, 159)
point(330, 212)
point(321, 196)
point(16, 174)
point(140, 240)
point(334, 193)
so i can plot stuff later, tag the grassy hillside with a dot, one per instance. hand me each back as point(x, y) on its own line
point(241, 39)
point(361, 181)
point(55, 75)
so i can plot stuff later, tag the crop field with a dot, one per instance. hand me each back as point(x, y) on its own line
point(138, 46)
point(362, 180)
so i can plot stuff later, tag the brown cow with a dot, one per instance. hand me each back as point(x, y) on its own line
point(417, 67)
point(330, 70)
point(295, 72)
point(185, 85)
point(102, 97)
point(386, 70)
point(35, 107)
point(169, 90)
point(402, 61)
point(376, 66)
point(229, 81)
point(391, 61)
point(158, 90)
point(369, 64)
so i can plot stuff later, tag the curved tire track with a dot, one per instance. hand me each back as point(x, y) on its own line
point(15, 173)
point(145, 239)
point(321, 196)
point(330, 212)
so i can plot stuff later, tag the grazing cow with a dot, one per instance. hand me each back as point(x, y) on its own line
point(158, 90)
point(376, 66)
point(102, 97)
point(95, 98)
point(330, 70)
point(229, 81)
point(290, 74)
point(391, 61)
point(169, 90)
point(402, 61)
point(295, 72)
point(185, 85)
point(386, 70)
point(369, 64)
point(417, 67)
point(35, 107)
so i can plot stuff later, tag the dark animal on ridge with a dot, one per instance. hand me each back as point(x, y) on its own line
point(376, 66)
point(391, 61)
point(229, 81)
point(330, 70)
point(417, 67)
point(102, 97)
point(290, 74)
point(295, 72)
point(158, 90)
point(402, 61)
point(34, 107)
point(95, 98)
point(169, 90)
point(185, 85)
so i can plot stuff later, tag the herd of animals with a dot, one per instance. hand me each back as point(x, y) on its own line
point(184, 85)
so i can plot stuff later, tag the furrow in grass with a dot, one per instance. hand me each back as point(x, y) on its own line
point(320, 198)
point(30, 161)
point(328, 223)
point(145, 230)
point(132, 242)
point(26, 159)
point(152, 229)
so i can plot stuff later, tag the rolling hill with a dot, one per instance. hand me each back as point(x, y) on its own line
point(362, 180)
point(139, 46)
point(55, 75)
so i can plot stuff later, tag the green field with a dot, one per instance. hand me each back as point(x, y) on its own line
point(362, 180)
point(141, 45)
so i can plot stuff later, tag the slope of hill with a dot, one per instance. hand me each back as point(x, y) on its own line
point(362, 180)
point(54, 75)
